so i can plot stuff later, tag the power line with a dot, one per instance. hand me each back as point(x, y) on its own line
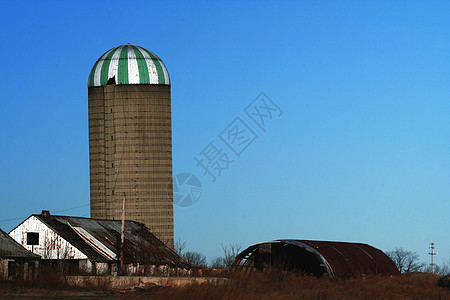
point(72, 208)
point(57, 211)
point(7, 220)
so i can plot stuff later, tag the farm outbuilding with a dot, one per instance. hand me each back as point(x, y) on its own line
point(93, 246)
point(318, 258)
point(15, 260)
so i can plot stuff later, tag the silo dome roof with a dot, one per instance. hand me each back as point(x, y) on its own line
point(128, 64)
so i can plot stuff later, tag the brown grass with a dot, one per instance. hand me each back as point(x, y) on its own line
point(275, 285)
point(287, 286)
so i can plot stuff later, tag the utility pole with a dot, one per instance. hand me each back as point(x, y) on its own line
point(122, 238)
point(432, 253)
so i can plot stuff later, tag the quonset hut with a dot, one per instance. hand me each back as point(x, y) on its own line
point(130, 139)
point(319, 258)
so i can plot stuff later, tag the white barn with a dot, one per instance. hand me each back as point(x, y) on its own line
point(93, 245)
point(37, 237)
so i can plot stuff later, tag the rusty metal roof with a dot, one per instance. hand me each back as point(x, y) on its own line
point(99, 240)
point(337, 259)
point(9, 248)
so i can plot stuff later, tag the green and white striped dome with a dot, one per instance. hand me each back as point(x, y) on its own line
point(128, 64)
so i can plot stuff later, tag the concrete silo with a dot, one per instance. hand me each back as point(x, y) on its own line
point(130, 139)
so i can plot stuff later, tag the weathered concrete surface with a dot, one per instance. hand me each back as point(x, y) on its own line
point(127, 282)
point(130, 153)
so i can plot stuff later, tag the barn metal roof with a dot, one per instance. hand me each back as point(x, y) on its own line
point(9, 248)
point(99, 240)
point(128, 64)
point(337, 259)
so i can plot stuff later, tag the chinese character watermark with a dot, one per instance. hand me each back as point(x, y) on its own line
point(214, 160)
point(262, 110)
point(238, 136)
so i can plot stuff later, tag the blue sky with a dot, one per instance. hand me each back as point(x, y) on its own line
point(360, 153)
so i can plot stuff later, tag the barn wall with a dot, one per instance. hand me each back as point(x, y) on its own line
point(3, 269)
point(11, 268)
point(51, 245)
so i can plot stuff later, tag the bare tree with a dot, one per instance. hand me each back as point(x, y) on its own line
point(405, 260)
point(194, 258)
point(230, 252)
point(179, 246)
point(443, 269)
point(218, 262)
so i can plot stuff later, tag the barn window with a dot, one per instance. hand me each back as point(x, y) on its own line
point(32, 238)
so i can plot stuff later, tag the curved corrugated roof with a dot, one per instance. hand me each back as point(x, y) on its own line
point(128, 64)
point(337, 259)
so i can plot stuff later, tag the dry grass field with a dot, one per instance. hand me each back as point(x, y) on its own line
point(286, 286)
point(246, 286)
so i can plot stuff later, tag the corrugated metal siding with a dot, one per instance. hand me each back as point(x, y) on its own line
point(129, 64)
point(353, 259)
point(140, 244)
